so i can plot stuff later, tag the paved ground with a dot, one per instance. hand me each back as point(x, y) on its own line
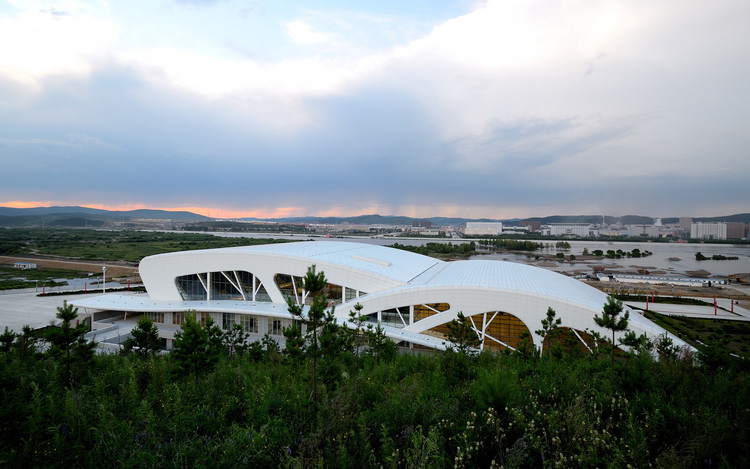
point(19, 308)
point(703, 312)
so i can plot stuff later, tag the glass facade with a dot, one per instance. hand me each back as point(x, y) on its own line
point(291, 287)
point(501, 330)
point(227, 320)
point(425, 311)
point(274, 326)
point(395, 317)
point(192, 287)
point(225, 286)
point(249, 323)
point(156, 317)
point(232, 285)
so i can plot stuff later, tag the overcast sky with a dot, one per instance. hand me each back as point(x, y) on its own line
point(268, 108)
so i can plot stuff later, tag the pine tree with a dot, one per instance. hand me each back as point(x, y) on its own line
point(611, 319)
point(145, 340)
point(314, 318)
point(68, 342)
point(235, 340)
point(197, 349)
point(295, 343)
point(550, 326)
point(462, 335)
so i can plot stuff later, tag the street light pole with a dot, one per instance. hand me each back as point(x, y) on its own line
point(104, 279)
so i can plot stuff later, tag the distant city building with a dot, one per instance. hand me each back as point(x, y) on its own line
point(422, 223)
point(533, 225)
point(516, 229)
point(580, 230)
point(735, 230)
point(708, 230)
point(611, 233)
point(475, 228)
point(685, 223)
point(644, 231)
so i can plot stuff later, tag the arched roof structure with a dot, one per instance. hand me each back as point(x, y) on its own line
point(412, 296)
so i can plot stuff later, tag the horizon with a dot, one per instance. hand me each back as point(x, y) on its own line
point(452, 108)
point(218, 214)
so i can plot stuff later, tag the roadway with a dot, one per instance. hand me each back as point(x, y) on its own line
point(695, 311)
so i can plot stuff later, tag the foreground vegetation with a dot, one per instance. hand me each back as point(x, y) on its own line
point(412, 411)
point(216, 401)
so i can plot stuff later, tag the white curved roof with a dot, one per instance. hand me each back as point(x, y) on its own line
point(390, 277)
point(393, 264)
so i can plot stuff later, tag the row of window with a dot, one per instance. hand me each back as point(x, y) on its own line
point(250, 323)
point(240, 285)
point(496, 329)
point(403, 316)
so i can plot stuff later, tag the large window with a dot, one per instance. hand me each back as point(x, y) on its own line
point(291, 287)
point(156, 317)
point(274, 326)
point(225, 286)
point(236, 285)
point(227, 320)
point(496, 329)
point(249, 323)
point(395, 317)
point(178, 318)
point(501, 330)
point(192, 287)
point(427, 310)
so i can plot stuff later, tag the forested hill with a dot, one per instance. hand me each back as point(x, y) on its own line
point(92, 217)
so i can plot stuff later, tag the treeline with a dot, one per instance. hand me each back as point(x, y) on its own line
point(127, 245)
point(512, 244)
point(240, 227)
point(253, 406)
point(440, 249)
point(619, 253)
point(716, 257)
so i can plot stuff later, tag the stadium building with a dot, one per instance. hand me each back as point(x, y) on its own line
point(412, 296)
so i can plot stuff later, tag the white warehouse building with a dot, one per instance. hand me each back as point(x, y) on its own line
point(412, 296)
point(581, 230)
point(482, 228)
point(708, 230)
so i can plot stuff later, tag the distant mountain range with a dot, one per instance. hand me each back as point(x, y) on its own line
point(85, 217)
point(92, 217)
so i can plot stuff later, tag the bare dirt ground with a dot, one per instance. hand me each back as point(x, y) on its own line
point(114, 270)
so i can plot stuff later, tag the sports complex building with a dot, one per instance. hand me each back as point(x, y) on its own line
point(412, 296)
